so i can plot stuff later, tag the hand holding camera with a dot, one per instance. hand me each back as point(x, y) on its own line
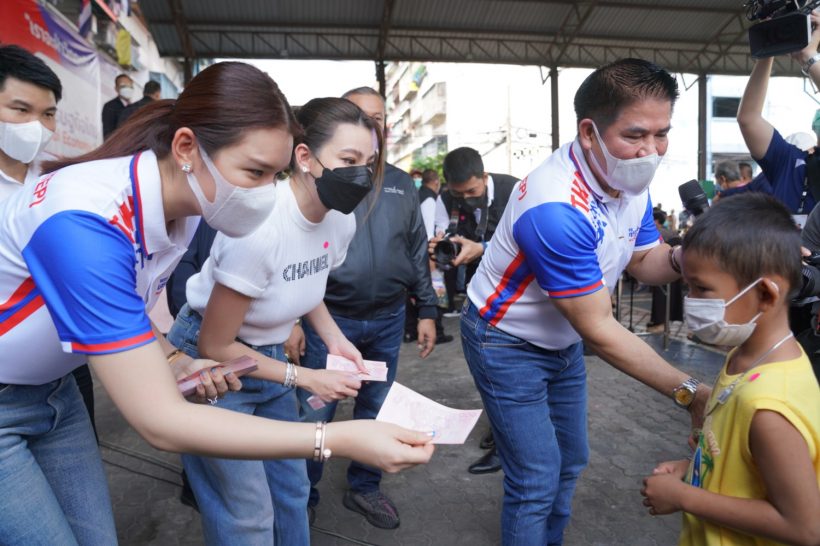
point(451, 250)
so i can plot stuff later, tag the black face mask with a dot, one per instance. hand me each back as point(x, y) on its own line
point(470, 204)
point(344, 187)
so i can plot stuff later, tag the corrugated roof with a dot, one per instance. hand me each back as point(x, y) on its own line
point(693, 36)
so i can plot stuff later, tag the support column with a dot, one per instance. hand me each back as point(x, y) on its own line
point(556, 140)
point(380, 77)
point(702, 151)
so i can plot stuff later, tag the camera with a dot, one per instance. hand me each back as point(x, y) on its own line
point(787, 27)
point(811, 277)
point(446, 251)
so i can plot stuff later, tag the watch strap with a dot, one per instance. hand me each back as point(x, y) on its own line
point(809, 63)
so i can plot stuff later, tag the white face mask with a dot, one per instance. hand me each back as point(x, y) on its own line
point(235, 211)
point(705, 317)
point(24, 141)
point(631, 176)
point(126, 93)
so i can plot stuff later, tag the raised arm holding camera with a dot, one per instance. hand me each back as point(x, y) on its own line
point(784, 164)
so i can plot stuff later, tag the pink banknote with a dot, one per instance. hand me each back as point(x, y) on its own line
point(411, 410)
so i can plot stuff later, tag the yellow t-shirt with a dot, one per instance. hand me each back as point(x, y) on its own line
point(722, 462)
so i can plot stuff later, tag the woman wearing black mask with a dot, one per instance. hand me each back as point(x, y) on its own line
point(245, 302)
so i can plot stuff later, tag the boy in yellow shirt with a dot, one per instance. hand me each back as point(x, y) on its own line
point(755, 474)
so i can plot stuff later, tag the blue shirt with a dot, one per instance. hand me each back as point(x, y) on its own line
point(785, 166)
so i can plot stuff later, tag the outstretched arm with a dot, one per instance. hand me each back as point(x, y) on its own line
point(141, 385)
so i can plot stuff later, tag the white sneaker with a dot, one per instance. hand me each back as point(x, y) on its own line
point(451, 314)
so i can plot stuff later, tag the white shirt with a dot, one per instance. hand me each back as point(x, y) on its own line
point(563, 232)
point(9, 185)
point(428, 215)
point(283, 266)
point(84, 251)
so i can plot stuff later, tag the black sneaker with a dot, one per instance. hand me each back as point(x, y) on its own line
point(444, 338)
point(375, 507)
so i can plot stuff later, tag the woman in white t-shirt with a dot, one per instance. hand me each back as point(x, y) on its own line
point(85, 252)
point(245, 301)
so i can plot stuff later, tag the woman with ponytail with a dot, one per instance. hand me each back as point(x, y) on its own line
point(84, 254)
point(245, 301)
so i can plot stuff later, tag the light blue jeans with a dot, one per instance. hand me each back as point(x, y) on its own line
point(248, 502)
point(52, 484)
point(377, 339)
point(536, 400)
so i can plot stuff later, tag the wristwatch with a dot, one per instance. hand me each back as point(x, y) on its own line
point(808, 64)
point(684, 394)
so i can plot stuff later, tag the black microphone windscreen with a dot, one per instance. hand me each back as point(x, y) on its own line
point(689, 190)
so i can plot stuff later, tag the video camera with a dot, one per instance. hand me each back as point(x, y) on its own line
point(696, 203)
point(787, 27)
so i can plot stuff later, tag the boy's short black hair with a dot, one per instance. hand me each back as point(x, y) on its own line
point(462, 164)
point(749, 235)
point(16, 62)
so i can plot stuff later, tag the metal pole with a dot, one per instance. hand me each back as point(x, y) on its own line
point(666, 316)
point(702, 152)
point(554, 106)
point(631, 301)
point(380, 77)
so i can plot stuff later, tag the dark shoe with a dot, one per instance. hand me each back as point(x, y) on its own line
point(187, 497)
point(409, 338)
point(487, 441)
point(375, 507)
point(486, 464)
point(444, 338)
point(311, 515)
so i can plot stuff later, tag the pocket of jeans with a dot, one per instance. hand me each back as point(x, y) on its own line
point(493, 337)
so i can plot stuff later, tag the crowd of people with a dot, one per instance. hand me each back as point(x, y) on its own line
point(284, 235)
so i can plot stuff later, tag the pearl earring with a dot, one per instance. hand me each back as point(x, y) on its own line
point(186, 168)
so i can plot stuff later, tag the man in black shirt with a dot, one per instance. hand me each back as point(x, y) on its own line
point(111, 109)
point(151, 92)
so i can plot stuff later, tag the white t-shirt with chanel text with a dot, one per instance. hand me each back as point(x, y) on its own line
point(283, 266)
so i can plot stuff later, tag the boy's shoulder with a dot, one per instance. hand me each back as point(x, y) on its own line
point(790, 382)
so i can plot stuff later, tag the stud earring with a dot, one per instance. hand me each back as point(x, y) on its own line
point(186, 168)
point(304, 169)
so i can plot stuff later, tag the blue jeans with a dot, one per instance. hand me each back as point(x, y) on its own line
point(52, 484)
point(378, 339)
point(248, 502)
point(536, 400)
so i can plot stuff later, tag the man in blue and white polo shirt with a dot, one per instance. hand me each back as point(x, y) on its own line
point(570, 229)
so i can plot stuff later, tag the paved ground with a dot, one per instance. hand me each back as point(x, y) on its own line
point(631, 428)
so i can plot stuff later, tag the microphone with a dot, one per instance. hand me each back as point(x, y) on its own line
point(693, 198)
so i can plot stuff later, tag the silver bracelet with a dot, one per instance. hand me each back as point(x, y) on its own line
point(321, 453)
point(808, 64)
point(289, 381)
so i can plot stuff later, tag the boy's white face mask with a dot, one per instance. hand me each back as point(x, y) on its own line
point(705, 317)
